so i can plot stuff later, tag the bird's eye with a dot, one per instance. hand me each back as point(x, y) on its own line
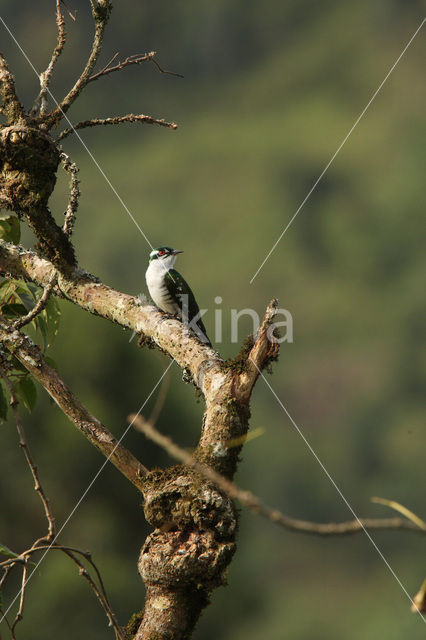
point(161, 252)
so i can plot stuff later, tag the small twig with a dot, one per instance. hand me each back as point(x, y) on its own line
point(38, 308)
point(169, 73)
point(248, 499)
point(161, 398)
point(73, 16)
point(99, 592)
point(71, 552)
point(70, 214)
point(4, 617)
point(34, 471)
point(135, 59)
point(46, 75)
point(20, 612)
point(118, 120)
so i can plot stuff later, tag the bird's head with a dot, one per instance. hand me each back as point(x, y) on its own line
point(165, 255)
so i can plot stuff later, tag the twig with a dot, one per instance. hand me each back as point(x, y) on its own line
point(161, 397)
point(38, 308)
point(118, 120)
point(70, 214)
point(135, 59)
point(101, 11)
point(99, 592)
point(73, 16)
point(46, 75)
point(248, 499)
point(20, 612)
point(71, 552)
point(170, 73)
point(34, 471)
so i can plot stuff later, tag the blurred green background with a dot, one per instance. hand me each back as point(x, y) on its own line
point(270, 90)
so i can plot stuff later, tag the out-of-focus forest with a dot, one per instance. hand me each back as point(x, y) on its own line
point(270, 89)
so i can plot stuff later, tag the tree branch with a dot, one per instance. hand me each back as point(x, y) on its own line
point(101, 10)
point(34, 471)
point(11, 106)
point(45, 76)
point(38, 308)
point(70, 214)
point(249, 500)
point(117, 120)
point(32, 359)
point(135, 59)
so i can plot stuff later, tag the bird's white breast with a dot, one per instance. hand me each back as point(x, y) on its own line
point(157, 287)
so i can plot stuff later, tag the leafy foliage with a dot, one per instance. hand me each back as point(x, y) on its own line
point(17, 298)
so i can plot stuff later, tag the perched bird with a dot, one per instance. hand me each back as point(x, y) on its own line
point(171, 293)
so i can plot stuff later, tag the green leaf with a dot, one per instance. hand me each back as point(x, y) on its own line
point(14, 310)
point(4, 405)
point(51, 315)
point(26, 392)
point(8, 552)
point(10, 229)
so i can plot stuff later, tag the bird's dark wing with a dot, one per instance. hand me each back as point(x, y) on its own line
point(181, 292)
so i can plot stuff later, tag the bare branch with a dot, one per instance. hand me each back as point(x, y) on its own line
point(248, 499)
point(34, 471)
point(263, 352)
point(99, 592)
point(101, 10)
point(135, 59)
point(32, 359)
point(11, 106)
point(38, 308)
point(45, 76)
point(72, 553)
point(118, 120)
point(70, 214)
point(20, 611)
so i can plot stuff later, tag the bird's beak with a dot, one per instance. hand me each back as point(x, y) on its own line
point(175, 251)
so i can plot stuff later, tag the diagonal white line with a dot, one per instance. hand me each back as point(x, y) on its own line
point(340, 146)
point(84, 494)
point(339, 491)
point(101, 171)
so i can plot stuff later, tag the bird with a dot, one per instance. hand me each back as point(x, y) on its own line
point(170, 291)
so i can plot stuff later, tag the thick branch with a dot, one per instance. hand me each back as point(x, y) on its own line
point(95, 122)
point(227, 413)
point(31, 357)
point(91, 295)
point(11, 106)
